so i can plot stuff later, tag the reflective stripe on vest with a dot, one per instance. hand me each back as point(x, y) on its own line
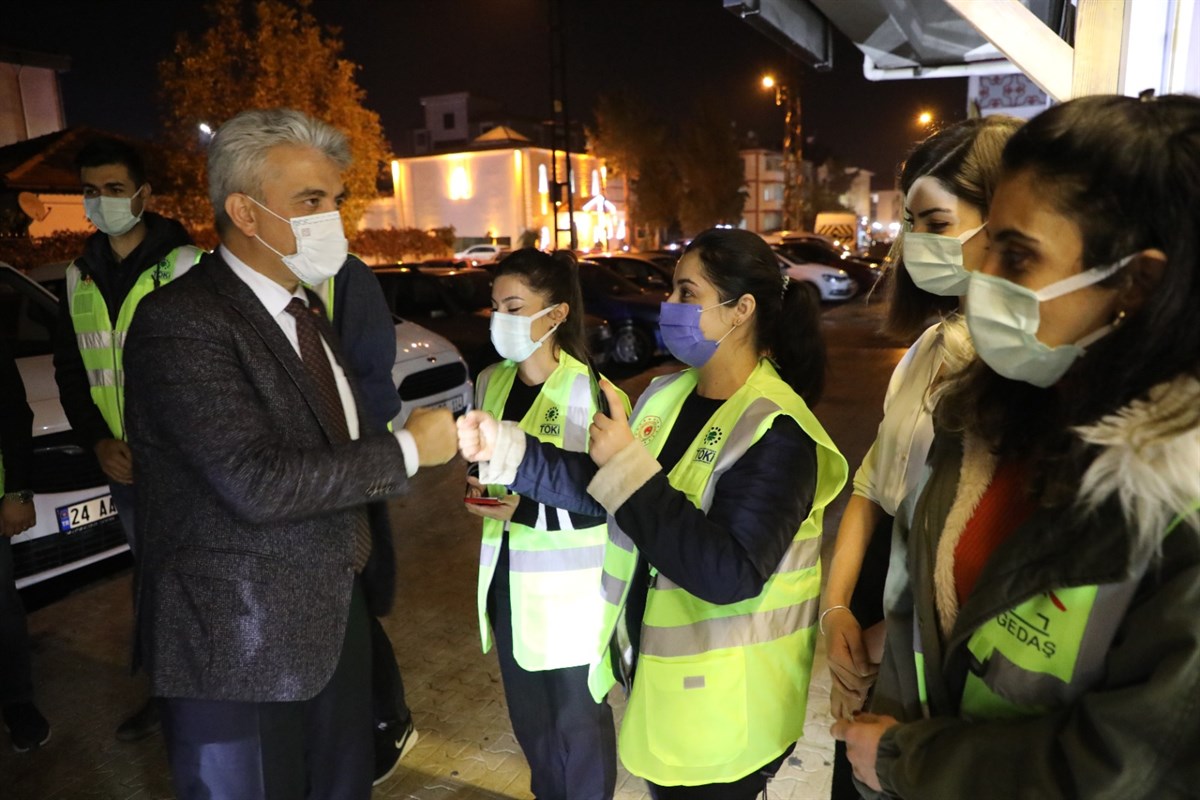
point(720, 690)
point(101, 343)
point(553, 574)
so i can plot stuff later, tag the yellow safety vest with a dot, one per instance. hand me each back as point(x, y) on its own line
point(721, 690)
point(1041, 654)
point(553, 574)
point(101, 344)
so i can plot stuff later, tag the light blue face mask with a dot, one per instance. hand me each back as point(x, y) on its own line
point(1003, 318)
point(935, 262)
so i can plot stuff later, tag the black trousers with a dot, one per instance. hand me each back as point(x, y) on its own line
point(16, 673)
point(568, 738)
point(747, 788)
point(317, 749)
point(387, 688)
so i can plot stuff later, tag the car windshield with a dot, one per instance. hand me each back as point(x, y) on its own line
point(807, 251)
point(27, 316)
point(471, 290)
point(414, 296)
point(598, 279)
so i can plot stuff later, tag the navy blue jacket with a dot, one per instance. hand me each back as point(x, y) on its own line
point(367, 331)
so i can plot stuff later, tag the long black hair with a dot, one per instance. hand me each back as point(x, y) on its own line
point(965, 159)
point(554, 276)
point(1127, 172)
point(787, 321)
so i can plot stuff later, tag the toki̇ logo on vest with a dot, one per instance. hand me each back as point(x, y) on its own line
point(550, 426)
point(707, 455)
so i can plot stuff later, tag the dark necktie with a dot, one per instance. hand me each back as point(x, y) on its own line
point(312, 353)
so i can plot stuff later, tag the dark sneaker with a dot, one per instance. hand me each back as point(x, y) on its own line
point(392, 743)
point(26, 726)
point(143, 723)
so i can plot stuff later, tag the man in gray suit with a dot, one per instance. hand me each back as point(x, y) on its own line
point(264, 543)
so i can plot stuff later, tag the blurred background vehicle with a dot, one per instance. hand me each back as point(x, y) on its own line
point(815, 249)
point(631, 311)
point(644, 271)
point(456, 304)
point(829, 284)
point(483, 253)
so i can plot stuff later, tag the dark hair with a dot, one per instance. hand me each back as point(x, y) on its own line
point(965, 159)
point(787, 322)
point(1127, 172)
point(555, 276)
point(105, 150)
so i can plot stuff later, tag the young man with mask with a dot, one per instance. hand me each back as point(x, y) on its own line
point(260, 484)
point(133, 252)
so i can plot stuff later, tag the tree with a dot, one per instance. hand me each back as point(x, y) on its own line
point(263, 54)
point(711, 171)
point(632, 143)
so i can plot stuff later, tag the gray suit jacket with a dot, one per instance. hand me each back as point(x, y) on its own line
point(245, 507)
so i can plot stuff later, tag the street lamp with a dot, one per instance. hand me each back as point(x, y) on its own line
point(924, 119)
point(791, 149)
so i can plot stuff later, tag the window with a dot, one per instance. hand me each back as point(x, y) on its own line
point(448, 121)
point(28, 316)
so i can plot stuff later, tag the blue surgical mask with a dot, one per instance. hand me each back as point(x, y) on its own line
point(935, 262)
point(680, 327)
point(1003, 318)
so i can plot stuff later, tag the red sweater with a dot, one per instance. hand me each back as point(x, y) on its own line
point(1004, 507)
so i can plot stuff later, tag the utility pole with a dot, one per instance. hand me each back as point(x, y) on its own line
point(560, 136)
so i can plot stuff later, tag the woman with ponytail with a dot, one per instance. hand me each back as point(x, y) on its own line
point(714, 497)
point(539, 563)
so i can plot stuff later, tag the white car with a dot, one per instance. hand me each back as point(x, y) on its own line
point(76, 521)
point(482, 253)
point(831, 285)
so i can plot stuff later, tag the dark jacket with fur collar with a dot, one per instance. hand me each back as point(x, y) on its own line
point(1134, 733)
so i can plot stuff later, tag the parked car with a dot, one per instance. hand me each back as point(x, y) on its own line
point(631, 311)
point(77, 523)
point(830, 285)
point(815, 249)
point(483, 253)
point(457, 304)
point(645, 272)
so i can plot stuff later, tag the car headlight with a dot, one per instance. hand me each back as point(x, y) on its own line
point(830, 277)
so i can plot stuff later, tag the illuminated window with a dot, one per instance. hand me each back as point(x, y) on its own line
point(460, 184)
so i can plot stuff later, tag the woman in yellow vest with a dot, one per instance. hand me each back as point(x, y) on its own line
point(1043, 606)
point(539, 564)
point(715, 499)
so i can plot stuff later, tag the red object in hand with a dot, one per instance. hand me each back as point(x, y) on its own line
point(482, 501)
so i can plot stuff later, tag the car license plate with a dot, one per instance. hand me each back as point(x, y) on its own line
point(455, 404)
point(78, 516)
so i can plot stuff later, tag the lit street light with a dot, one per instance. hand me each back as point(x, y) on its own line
point(205, 129)
point(791, 150)
point(924, 119)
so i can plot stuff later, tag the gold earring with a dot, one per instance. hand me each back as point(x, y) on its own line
point(1119, 318)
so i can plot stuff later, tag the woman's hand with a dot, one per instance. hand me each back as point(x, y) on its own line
point(477, 431)
point(609, 434)
point(503, 512)
point(849, 664)
point(862, 737)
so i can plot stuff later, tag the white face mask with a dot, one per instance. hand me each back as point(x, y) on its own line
point(935, 262)
point(321, 245)
point(1003, 318)
point(512, 334)
point(112, 215)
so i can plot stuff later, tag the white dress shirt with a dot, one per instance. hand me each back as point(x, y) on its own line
point(275, 299)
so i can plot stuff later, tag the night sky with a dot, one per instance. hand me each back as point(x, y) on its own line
point(674, 53)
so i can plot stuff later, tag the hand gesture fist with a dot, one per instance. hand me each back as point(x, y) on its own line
point(477, 431)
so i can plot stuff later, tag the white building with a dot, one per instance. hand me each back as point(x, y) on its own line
point(497, 190)
point(763, 211)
